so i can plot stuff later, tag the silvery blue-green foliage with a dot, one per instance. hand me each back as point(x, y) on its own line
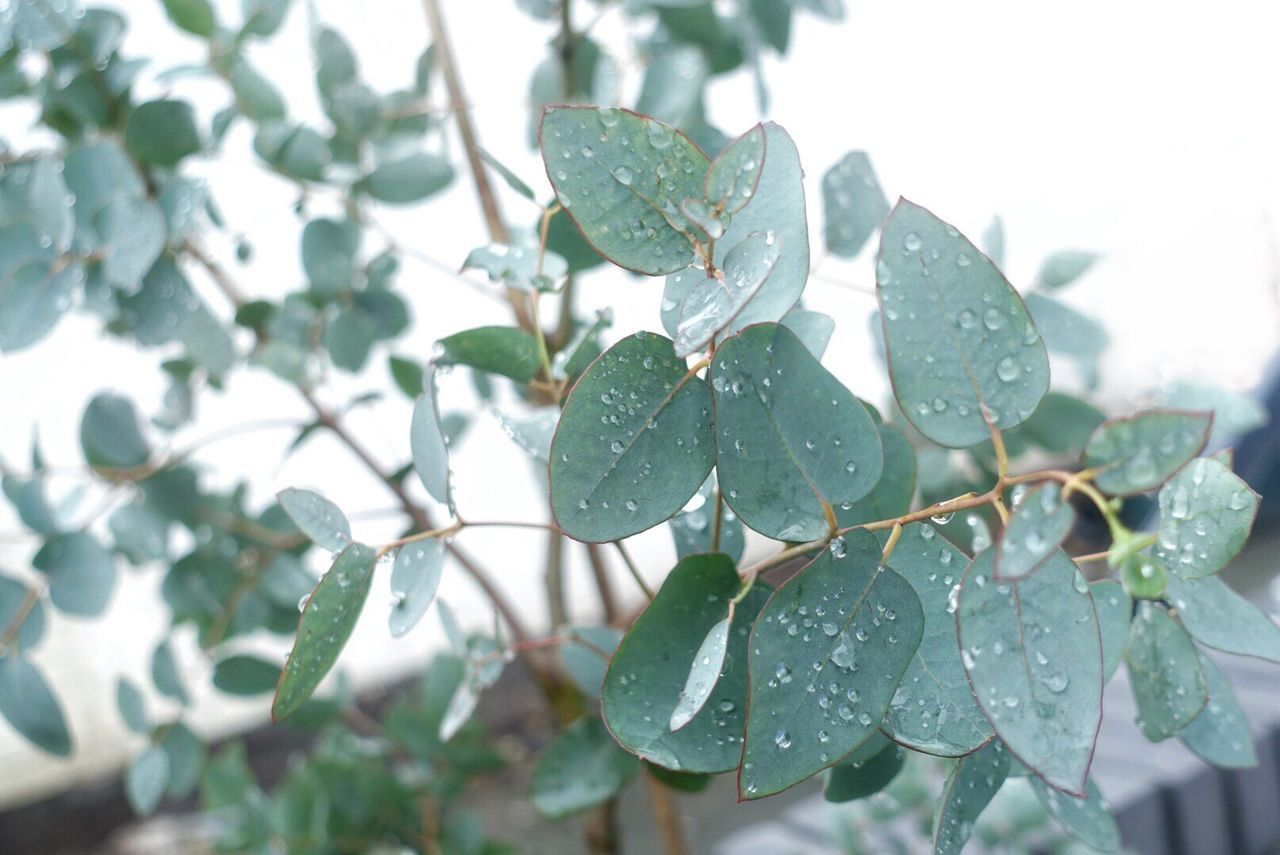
point(937, 610)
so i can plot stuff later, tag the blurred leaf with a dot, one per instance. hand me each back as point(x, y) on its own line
point(162, 133)
point(853, 204)
point(1141, 452)
point(132, 706)
point(81, 573)
point(317, 518)
point(146, 780)
point(415, 578)
point(194, 16)
point(582, 768)
point(245, 675)
point(1064, 267)
point(28, 704)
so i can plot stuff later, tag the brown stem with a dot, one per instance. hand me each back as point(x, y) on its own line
point(602, 830)
point(28, 603)
point(600, 570)
point(554, 580)
point(666, 816)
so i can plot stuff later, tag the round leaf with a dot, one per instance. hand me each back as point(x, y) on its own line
point(1141, 452)
point(1206, 512)
point(111, 435)
point(317, 518)
point(634, 442)
point(582, 768)
point(415, 578)
point(162, 133)
point(1039, 524)
point(82, 573)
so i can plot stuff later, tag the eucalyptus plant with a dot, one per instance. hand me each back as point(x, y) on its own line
point(920, 597)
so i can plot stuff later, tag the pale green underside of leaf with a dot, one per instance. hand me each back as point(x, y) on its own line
point(317, 518)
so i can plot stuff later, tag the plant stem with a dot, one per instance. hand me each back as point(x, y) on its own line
point(717, 518)
point(666, 816)
point(557, 608)
point(633, 569)
point(25, 608)
point(600, 571)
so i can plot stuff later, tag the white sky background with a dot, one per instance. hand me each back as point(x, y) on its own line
point(1144, 130)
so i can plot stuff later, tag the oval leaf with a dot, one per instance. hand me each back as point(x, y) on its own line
point(716, 301)
point(1141, 452)
point(582, 768)
point(415, 578)
point(970, 787)
point(621, 177)
point(507, 351)
point(1220, 733)
point(429, 447)
point(317, 518)
point(1038, 526)
point(325, 626)
point(81, 572)
point(1220, 618)
point(146, 780)
point(933, 710)
point(1087, 819)
point(827, 655)
point(643, 685)
point(634, 442)
point(853, 204)
point(31, 707)
point(111, 433)
point(1164, 673)
point(1033, 654)
point(245, 676)
point(708, 662)
point(735, 173)
point(792, 442)
point(1206, 513)
point(961, 346)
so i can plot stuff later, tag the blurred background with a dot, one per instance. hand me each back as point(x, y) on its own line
point(1143, 131)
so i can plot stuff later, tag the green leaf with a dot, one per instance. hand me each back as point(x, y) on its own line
point(13, 597)
point(1088, 819)
point(1144, 576)
point(853, 204)
point(111, 433)
point(245, 676)
point(1220, 618)
point(583, 659)
point(532, 431)
point(777, 206)
point(933, 710)
point(415, 578)
point(329, 250)
point(673, 85)
point(827, 655)
point(1115, 608)
point(1039, 524)
point(683, 782)
point(186, 759)
point(862, 774)
point(693, 526)
point(140, 533)
point(582, 768)
point(194, 16)
point(1062, 424)
point(165, 675)
point(731, 181)
point(34, 300)
point(1142, 451)
point(1064, 267)
point(407, 374)
point(1164, 673)
point(133, 234)
point(970, 787)
point(146, 780)
point(891, 497)
point(326, 623)
point(644, 681)
point(81, 572)
point(1220, 733)
point(792, 442)
point(812, 328)
point(1033, 654)
point(962, 348)
point(162, 133)
point(28, 704)
point(317, 518)
point(1206, 513)
point(1069, 333)
point(634, 442)
point(622, 177)
point(349, 337)
point(429, 446)
point(410, 179)
point(507, 351)
point(132, 706)
point(256, 97)
point(715, 302)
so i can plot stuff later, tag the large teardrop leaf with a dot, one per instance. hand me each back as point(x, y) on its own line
point(580, 769)
point(934, 710)
point(1220, 618)
point(777, 206)
point(643, 685)
point(1033, 653)
point(1087, 819)
point(962, 348)
point(621, 177)
point(1206, 513)
point(326, 623)
point(1220, 733)
point(1115, 608)
point(634, 442)
point(28, 704)
point(1037, 527)
point(970, 787)
point(827, 655)
point(1164, 673)
point(791, 441)
point(1142, 451)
